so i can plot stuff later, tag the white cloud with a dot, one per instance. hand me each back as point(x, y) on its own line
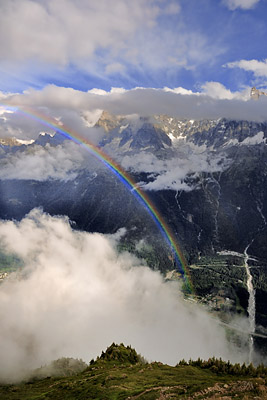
point(218, 91)
point(104, 92)
point(173, 48)
point(42, 163)
point(77, 295)
point(100, 92)
point(57, 101)
point(97, 37)
point(178, 90)
point(172, 173)
point(259, 68)
point(69, 30)
point(114, 68)
point(244, 4)
point(91, 117)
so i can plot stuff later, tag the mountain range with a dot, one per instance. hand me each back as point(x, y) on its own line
point(206, 178)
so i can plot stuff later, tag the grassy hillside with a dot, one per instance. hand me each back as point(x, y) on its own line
point(120, 373)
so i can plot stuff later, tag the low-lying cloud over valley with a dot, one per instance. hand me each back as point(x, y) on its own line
point(76, 295)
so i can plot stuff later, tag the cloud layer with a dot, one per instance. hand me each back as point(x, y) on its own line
point(42, 163)
point(215, 101)
point(244, 4)
point(76, 295)
point(172, 173)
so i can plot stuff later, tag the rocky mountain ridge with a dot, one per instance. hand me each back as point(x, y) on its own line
point(164, 131)
point(215, 134)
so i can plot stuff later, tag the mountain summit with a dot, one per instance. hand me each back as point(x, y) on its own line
point(255, 93)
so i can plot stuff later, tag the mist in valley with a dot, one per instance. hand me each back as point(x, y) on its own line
point(76, 295)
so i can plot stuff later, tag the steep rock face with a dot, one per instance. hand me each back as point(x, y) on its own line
point(149, 136)
point(138, 136)
point(108, 121)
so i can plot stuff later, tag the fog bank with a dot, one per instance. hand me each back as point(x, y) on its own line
point(77, 295)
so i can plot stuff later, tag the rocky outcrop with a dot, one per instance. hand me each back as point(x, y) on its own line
point(255, 93)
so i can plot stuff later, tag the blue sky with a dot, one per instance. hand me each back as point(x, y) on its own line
point(87, 44)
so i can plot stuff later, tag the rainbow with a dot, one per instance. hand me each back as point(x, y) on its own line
point(121, 174)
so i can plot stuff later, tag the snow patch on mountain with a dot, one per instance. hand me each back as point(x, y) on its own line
point(248, 141)
point(26, 142)
point(257, 139)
